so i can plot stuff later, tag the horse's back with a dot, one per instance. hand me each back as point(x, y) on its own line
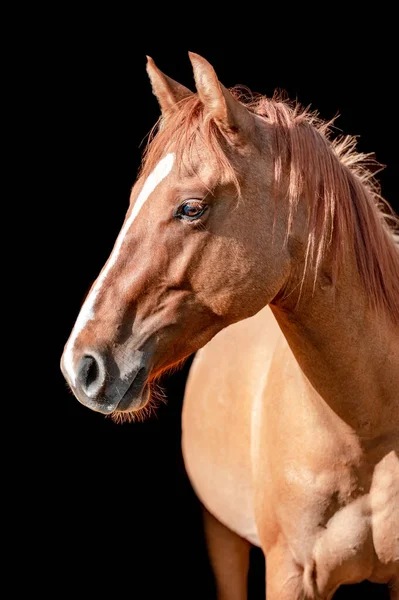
point(223, 391)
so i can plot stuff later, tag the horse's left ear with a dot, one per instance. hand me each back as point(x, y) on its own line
point(167, 91)
point(229, 114)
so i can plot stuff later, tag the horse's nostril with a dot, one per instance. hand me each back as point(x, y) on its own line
point(91, 375)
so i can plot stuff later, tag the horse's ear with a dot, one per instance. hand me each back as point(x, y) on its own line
point(167, 91)
point(220, 104)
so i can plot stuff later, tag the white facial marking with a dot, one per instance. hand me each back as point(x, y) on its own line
point(86, 314)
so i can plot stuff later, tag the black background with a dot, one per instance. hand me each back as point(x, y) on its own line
point(116, 512)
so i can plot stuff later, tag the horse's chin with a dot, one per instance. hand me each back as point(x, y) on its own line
point(144, 395)
point(140, 408)
point(135, 397)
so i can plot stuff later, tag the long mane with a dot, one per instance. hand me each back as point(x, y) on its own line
point(346, 211)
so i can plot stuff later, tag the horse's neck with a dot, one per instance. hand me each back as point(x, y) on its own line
point(349, 354)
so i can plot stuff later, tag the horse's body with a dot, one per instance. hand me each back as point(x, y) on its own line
point(291, 417)
point(274, 461)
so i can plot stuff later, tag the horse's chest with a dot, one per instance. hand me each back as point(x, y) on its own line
point(218, 462)
point(227, 495)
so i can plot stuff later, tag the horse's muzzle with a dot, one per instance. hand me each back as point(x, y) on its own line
point(103, 388)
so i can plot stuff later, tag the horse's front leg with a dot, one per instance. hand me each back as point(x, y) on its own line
point(284, 578)
point(229, 556)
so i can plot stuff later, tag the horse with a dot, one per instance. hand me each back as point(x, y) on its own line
point(258, 239)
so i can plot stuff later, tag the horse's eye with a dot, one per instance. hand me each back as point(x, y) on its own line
point(191, 210)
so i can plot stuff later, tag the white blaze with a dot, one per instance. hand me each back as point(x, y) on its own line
point(86, 314)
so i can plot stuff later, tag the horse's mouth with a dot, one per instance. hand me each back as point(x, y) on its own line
point(136, 395)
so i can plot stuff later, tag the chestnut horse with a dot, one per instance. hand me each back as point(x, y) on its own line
point(291, 418)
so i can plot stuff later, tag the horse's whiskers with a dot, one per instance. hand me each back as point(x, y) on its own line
point(157, 397)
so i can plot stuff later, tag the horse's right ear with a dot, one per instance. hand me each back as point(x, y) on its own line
point(232, 116)
point(167, 91)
